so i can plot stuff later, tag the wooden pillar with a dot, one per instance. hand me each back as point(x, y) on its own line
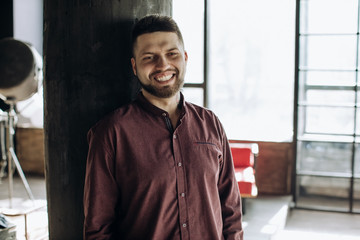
point(87, 74)
point(6, 19)
point(6, 30)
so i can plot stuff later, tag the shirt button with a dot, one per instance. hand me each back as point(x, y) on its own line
point(174, 136)
point(184, 225)
point(179, 164)
point(182, 194)
point(164, 114)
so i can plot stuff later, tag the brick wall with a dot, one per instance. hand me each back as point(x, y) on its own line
point(274, 167)
point(30, 150)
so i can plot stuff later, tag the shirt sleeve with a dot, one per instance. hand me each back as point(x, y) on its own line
point(229, 195)
point(100, 189)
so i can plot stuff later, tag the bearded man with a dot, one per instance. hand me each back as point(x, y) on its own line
point(160, 167)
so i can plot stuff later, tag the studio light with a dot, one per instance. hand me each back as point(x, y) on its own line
point(20, 70)
point(20, 78)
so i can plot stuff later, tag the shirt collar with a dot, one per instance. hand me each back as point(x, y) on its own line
point(143, 102)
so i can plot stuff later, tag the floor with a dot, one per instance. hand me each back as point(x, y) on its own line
point(266, 217)
point(28, 216)
point(315, 225)
point(271, 218)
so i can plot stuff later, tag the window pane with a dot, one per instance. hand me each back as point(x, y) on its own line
point(358, 121)
point(356, 205)
point(194, 95)
point(330, 97)
point(324, 157)
point(323, 193)
point(328, 52)
point(357, 161)
point(337, 16)
point(330, 78)
point(251, 73)
point(327, 120)
point(189, 15)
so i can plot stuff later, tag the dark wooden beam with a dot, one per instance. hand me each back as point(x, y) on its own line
point(87, 74)
point(6, 19)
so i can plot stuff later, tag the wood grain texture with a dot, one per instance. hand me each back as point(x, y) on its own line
point(87, 74)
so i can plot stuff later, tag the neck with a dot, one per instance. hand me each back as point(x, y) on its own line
point(169, 105)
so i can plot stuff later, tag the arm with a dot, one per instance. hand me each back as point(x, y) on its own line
point(100, 190)
point(229, 196)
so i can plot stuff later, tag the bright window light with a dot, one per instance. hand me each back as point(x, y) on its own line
point(251, 63)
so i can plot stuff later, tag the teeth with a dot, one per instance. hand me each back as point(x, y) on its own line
point(164, 78)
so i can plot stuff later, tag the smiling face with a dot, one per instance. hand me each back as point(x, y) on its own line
point(159, 62)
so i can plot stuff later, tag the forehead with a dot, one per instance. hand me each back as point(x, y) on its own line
point(149, 42)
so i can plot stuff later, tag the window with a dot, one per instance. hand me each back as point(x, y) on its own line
point(250, 64)
point(328, 107)
point(191, 24)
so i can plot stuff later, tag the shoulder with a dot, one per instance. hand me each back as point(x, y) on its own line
point(205, 119)
point(200, 112)
point(115, 119)
point(203, 116)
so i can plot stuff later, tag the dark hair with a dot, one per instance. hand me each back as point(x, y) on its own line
point(155, 23)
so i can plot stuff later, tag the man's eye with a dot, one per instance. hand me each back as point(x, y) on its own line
point(173, 54)
point(147, 58)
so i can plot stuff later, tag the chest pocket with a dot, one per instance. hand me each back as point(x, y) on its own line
point(206, 160)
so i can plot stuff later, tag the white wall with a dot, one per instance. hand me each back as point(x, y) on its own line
point(28, 27)
point(28, 22)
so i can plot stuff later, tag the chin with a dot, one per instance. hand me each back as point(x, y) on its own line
point(163, 92)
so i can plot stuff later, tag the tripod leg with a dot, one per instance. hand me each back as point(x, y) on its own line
point(21, 173)
point(3, 161)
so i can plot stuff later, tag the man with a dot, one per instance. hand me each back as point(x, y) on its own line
point(160, 167)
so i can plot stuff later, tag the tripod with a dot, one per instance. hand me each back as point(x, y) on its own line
point(10, 122)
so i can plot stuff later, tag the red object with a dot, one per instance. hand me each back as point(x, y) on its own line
point(244, 158)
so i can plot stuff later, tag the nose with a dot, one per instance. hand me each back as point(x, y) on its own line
point(162, 63)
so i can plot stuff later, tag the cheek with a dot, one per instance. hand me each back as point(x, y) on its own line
point(182, 66)
point(142, 72)
point(146, 69)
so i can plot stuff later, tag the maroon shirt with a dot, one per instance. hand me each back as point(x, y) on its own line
point(145, 180)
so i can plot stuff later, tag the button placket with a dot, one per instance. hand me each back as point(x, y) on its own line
point(181, 189)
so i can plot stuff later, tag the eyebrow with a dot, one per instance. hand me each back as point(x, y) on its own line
point(151, 53)
point(146, 53)
point(172, 49)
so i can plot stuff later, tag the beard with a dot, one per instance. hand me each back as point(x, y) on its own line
point(166, 91)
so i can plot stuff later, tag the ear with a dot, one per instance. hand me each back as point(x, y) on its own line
point(186, 56)
point(133, 64)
